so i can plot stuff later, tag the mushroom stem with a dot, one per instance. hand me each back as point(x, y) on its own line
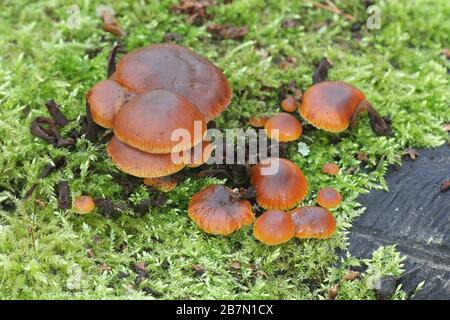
point(111, 66)
point(93, 130)
point(379, 126)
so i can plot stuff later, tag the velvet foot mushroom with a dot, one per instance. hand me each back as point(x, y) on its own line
point(328, 198)
point(218, 210)
point(274, 227)
point(283, 127)
point(83, 205)
point(335, 105)
point(278, 183)
point(313, 222)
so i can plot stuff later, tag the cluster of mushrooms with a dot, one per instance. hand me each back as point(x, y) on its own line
point(160, 88)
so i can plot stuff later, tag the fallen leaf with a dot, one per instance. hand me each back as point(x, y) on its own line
point(195, 9)
point(221, 32)
point(412, 153)
point(362, 156)
point(63, 192)
point(110, 23)
point(351, 275)
point(333, 292)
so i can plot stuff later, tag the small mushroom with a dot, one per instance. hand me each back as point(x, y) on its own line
point(289, 104)
point(274, 227)
point(288, 127)
point(165, 184)
point(179, 70)
point(278, 183)
point(335, 105)
point(313, 222)
point(139, 163)
point(330, 168)
point(105, 99)
point(148, 121)
point(328, 198)
point(83, 205)
point(258, 122)
point(218, 210)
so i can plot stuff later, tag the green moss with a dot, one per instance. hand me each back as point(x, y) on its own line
point(399, 67)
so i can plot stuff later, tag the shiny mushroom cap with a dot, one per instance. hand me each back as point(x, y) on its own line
point(289, 104)
point(148, 121)
point(139, 163)
point(274, 227)
point(83, 205)
point(164, 184)
point(289, 128)
point(258, 122)
point(177, 69)
point(330, 105)
point(278, 183)
point(218, 210)
point(105, 99)
point(313, 222)
point(328, 198)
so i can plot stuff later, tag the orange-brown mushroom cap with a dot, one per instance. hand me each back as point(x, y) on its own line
point(289, 128)
point(83, 205)
point(105, 99)
point(218, 210)
point(165, 184)
point(289, 104)
point(274, 227)
point(148, 121)
point(313, 222)
point(283, 189)
point(258, 122)
point(330, 168)
point(328, 198)
point(139, 163)
point(177, 69)
point(330, 105)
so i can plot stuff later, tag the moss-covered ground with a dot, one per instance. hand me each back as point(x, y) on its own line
point(46, 252)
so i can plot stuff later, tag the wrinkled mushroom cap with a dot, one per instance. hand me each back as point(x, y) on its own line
point(328, 198)
point(289, 128)
point(329, 105)
point(274, 227)
point(177, 69)
point(148, 121)
point(282, 190)
point(83, 205)
point(165, 184)
point(218, 210)
point(313, 222)
point(141, 164)
point(105, 99)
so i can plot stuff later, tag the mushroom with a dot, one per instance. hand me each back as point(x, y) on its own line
point(313, 222)
point(328, 198)
point(278, 183)
point(179, 70)
point(148, 121)
point(105, 99)
point(330, 168)
point(218, 210)
point(287, 126)
point(83, 205)
point(139, 163)
point(289, 104)
point(165, 184)
point(334, 105)
point(274, 227)
point(258, 122)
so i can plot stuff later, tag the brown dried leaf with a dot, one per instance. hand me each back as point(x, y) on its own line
point(221, 32)
point(362, 156)
point(110, 23)
point(321, 72)
point(411, 152)
point(351, 275)
point(333, 292)
point(195, 9)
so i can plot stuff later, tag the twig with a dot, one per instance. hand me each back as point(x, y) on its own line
point(331, 7)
